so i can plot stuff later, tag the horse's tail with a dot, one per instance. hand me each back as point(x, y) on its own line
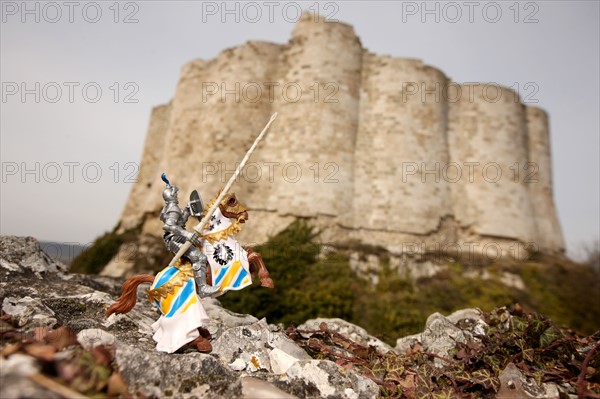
point(127, 300)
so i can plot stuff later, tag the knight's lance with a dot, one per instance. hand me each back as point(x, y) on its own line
point(200, 226)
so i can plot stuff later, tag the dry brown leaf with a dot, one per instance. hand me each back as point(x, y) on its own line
point(117, 385)
point(42, 352)
point(462, 354)
point(40, 333)
point(103, 355)
point(61, 338)
point(361, 351)
point(340, 341)
point(474, 346)
point(414, 348)
point(6, 317)
point(314, 344)
point(6, 327)
point(408, 383)
point(11, 348)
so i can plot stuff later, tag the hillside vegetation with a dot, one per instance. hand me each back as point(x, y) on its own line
point(310, 285)
point(313, 283)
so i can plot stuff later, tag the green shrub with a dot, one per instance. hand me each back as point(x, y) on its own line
point(93, 259)
point(305, 287)
point(309, 286)
point(566, 292)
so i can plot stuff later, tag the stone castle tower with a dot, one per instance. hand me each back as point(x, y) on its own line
point(380, 150)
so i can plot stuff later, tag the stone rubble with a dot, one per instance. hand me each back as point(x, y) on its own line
point(250, 357)
point(352, 331)
point(441, 333)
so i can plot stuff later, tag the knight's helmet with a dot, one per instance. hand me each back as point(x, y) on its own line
point(169, 193)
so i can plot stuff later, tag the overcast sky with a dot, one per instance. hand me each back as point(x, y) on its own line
point(67, 160)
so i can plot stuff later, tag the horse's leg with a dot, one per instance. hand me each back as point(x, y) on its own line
point(204, 333)
point(201, 344)
point(255, 259)
point(208, 274)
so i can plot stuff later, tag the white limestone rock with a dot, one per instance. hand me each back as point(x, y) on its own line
point(514, 385)
point(352, 331)
point(255, 388)
point(92, 337)
point(24, 254)
point(29, 311)
point(281, 361)
point(324, 378)
point(442, 333)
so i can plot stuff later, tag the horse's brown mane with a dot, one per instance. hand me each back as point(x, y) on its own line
point(128, 298)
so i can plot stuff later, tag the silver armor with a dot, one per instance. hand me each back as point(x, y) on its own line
point(174, 219)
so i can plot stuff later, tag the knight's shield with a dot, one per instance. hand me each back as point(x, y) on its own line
point(196, 205)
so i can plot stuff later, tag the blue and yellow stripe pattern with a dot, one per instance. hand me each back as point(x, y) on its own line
point(231, 277)
point(173, 290)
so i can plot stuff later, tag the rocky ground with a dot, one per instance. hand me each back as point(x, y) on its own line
point(57, 342)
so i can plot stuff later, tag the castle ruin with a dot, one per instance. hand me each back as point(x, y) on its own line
point(379, 150)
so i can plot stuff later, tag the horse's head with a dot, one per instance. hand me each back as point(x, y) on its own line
point(231, 208)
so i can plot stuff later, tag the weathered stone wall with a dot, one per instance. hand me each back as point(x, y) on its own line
point(538, 175)
point(370, 150)
point(488, 139)
point(397, 134)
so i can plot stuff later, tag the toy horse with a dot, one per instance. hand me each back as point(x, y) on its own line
point(173, 290)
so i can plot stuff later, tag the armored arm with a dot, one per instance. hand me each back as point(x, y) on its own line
point(173, 225)
point(185, 215)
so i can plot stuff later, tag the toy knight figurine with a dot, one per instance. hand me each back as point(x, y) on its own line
point(207, 263)
point(176, 235)
point(215, 264)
